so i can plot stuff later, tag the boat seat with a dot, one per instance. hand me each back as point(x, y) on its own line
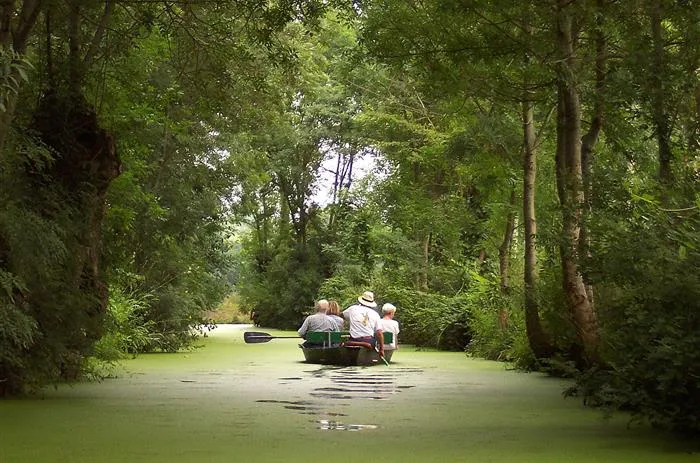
point(329, 338)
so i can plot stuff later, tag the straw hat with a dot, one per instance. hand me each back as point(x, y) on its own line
point(367, 299)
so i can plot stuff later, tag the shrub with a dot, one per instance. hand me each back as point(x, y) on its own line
point(649, 308)
point(127, 332)
point(497, 323)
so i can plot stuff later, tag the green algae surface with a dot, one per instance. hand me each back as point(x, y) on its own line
point(231, 402)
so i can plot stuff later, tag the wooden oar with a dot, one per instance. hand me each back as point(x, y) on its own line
point(376, 349)
point(254, 337)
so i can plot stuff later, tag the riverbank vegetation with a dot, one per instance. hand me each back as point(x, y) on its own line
point(520, 180)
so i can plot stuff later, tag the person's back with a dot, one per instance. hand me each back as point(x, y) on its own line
point(318, 321)
point(363, 320)
point(390, 325)
point(334, 313)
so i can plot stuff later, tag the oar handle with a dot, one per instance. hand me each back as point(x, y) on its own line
point(255, 337)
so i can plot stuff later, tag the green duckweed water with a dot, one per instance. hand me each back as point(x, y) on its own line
point(231, 402)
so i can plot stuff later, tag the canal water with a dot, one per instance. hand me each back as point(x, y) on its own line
point(232, 402)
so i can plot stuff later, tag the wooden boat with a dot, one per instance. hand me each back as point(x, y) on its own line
point(333, 348)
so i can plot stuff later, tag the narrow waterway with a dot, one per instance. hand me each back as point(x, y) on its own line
point(231, 402)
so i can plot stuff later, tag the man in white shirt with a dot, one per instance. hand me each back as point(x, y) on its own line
point(318, 321)
point(364, 322)
point(389, 325)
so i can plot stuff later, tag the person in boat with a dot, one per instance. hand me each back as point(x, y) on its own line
point(335, 313)
point(390, 325)
point(318, 321)
point(364, 322)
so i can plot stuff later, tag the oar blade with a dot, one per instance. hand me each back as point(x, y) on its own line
point(255, 337)
point(381, 357)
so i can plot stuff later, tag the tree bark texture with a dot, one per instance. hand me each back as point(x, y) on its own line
point(570, 189)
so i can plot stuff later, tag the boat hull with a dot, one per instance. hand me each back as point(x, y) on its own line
point(344, 355)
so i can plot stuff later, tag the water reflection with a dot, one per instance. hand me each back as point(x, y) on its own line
point(344, 385)
point(330, 425)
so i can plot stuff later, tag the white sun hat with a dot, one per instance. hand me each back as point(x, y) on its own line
point(367, 299)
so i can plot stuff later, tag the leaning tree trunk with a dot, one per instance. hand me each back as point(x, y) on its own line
point(570, 190)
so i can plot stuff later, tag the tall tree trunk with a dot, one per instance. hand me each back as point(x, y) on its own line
point(662, 125)
point(590, 140)
point(538, 340)
point(338, 178)
point(570, 189)
point(342, 181)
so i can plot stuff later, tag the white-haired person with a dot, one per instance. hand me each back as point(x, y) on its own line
point(389, 325)
point(318, 321)
point(364, 322)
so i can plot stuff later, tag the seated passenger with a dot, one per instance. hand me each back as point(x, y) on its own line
point(334, 313)
point(317, 322)
point(364, 322)
point(390, 325)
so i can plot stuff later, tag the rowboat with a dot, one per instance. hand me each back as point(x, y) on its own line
point(333, 348)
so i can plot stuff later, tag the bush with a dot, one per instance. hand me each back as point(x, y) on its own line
point(127, 332)
point(497, 324)
point(284, 289)
point(649, 309)
point(429, 319)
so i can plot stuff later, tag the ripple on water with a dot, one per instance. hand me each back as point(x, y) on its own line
point(347, 384)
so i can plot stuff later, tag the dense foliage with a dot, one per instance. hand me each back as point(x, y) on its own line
point(520, 180)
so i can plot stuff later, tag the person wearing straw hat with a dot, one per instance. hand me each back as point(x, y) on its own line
point(364, 322)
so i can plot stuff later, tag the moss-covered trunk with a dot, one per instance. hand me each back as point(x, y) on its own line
point(84, 165)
